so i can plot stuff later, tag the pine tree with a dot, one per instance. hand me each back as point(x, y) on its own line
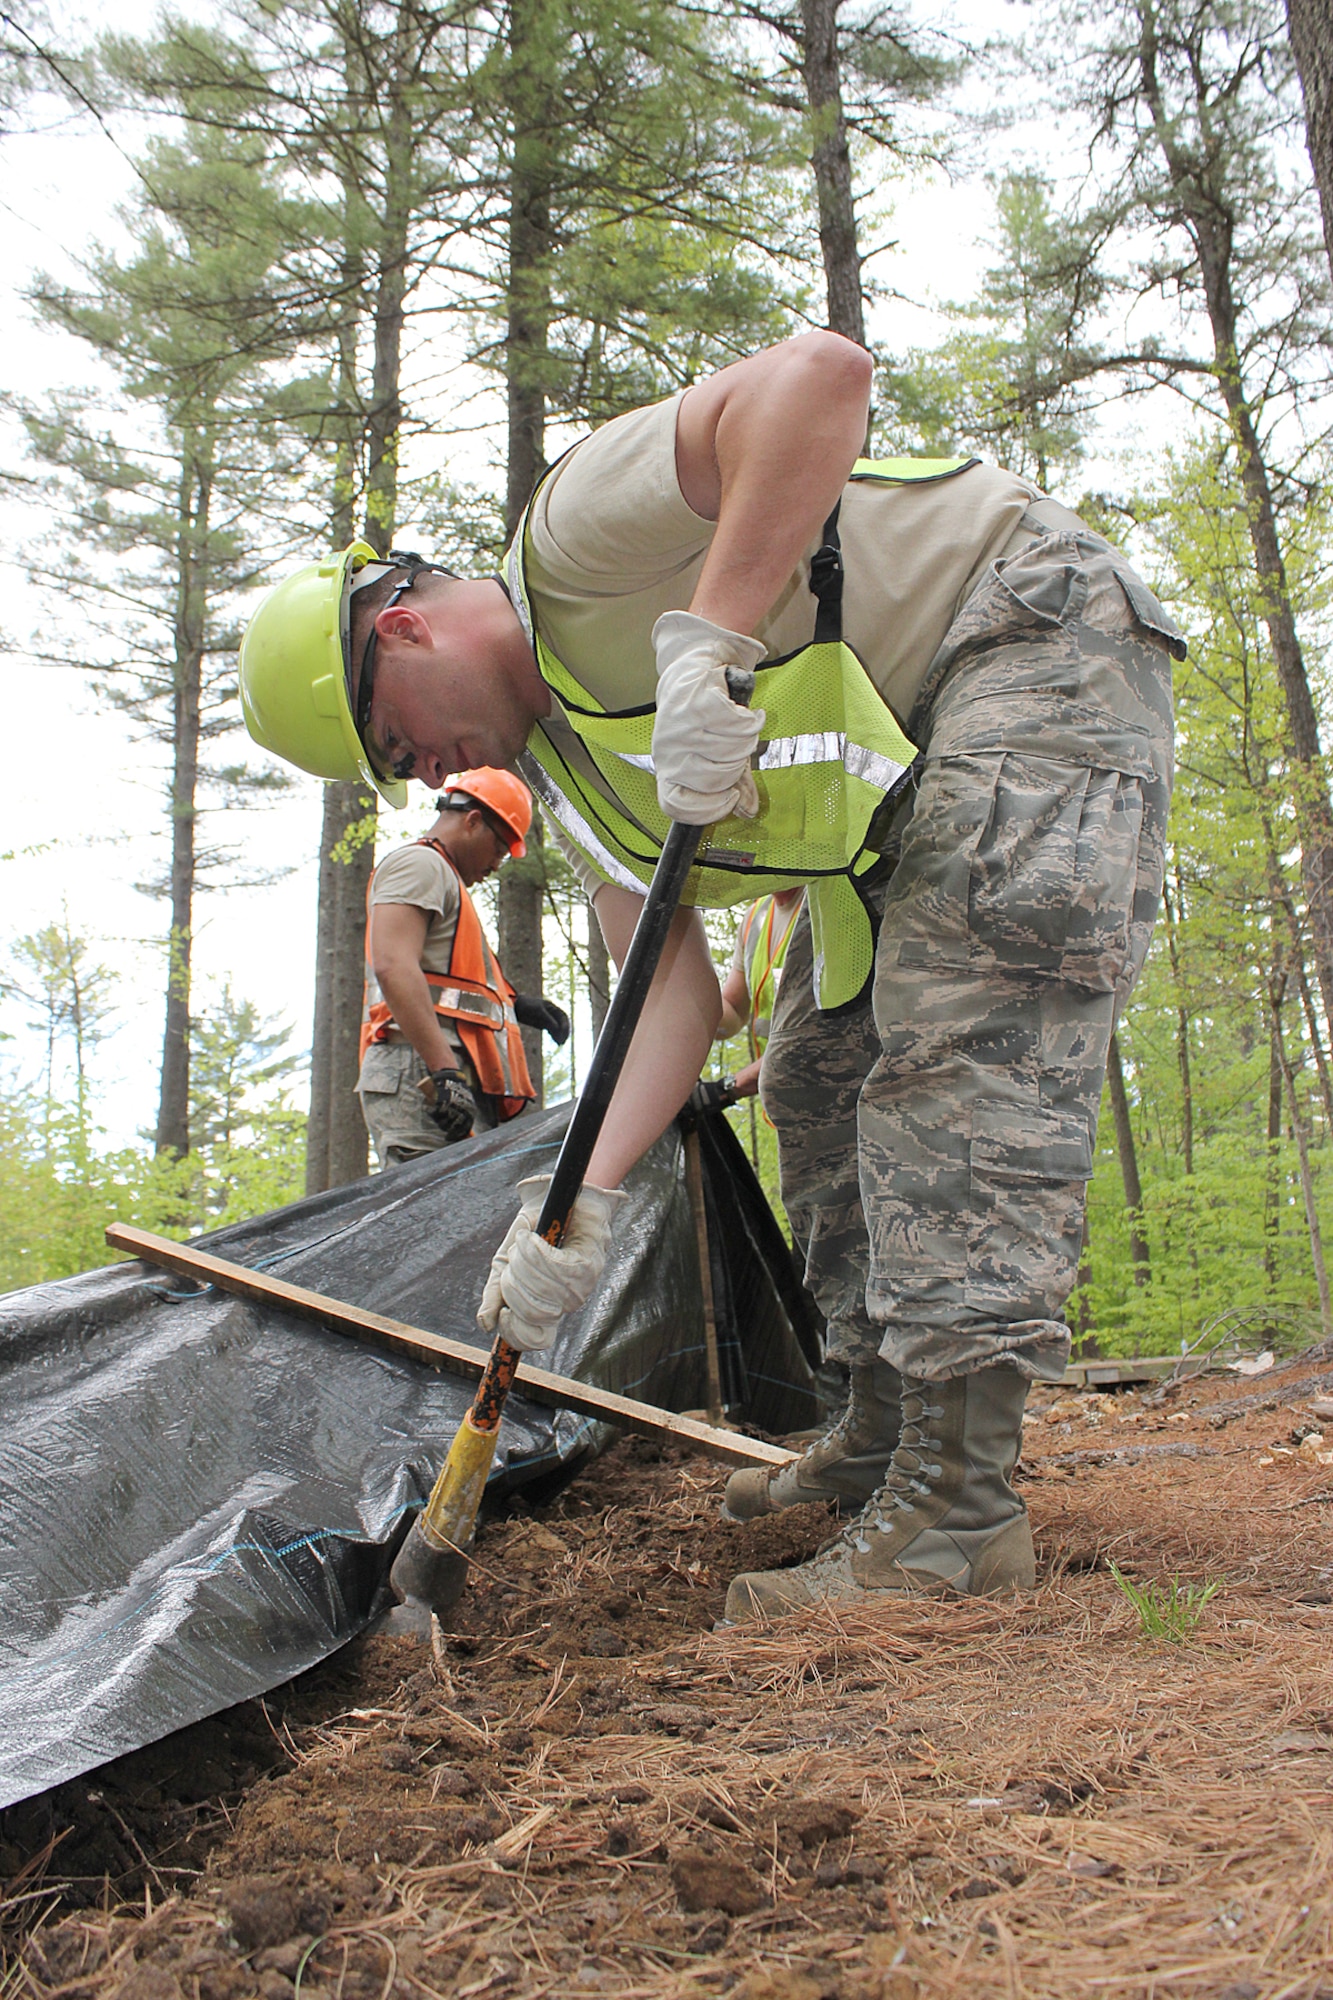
point(851, 74)
point(1012, 382)
point(1194, 104)
point(158, 493)
point(1311, 29)
point(53, 977)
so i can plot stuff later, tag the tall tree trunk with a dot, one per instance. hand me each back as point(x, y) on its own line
point(1212, 228)
point(1281, 896)
point(337, 1149)
point(173, 1111)
point(1129, 1162)
point(385, 416)
point(335, 937)
point(321, 1036)
point(1296, 1113)
point(1273, 1175)
point(831, 160)
point(1316, 1041)
point(1311, 26)
point(337, 1145)
point(1182, 1031)
point(534, 123)
point(1314, 814)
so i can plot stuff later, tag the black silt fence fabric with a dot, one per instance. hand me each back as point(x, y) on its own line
point(202, 1496)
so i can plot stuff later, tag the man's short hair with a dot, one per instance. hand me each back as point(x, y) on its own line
point(372, 598)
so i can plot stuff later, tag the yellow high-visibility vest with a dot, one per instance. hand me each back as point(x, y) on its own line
point(830, 753)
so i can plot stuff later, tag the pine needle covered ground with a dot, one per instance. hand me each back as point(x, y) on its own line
point(587, 1791)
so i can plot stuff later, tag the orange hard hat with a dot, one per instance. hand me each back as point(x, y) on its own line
point(504, 796)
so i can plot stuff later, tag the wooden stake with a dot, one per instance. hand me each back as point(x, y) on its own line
point(694, 1181)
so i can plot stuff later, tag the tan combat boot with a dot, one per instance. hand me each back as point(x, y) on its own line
point(945, 1519)
point(846, 1464)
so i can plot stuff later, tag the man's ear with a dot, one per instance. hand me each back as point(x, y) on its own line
point(404, 623)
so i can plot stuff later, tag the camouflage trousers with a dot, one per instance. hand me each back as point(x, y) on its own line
point(936, 1139)
point(396, 1114)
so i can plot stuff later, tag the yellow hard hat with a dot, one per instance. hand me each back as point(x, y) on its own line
point(296, 673)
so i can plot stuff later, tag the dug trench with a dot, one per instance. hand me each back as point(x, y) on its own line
point(585, 1789)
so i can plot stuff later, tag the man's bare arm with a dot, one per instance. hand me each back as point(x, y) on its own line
point(671, 1042)
point(764, 448)
point(735, 1004)
point(397, 935)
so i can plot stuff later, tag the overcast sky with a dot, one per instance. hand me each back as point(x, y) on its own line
point(81, 812)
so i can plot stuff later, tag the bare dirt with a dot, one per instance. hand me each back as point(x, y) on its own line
point(585, 1790)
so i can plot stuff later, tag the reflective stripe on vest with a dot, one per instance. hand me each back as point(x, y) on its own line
point(831, 751)
point(475, 995)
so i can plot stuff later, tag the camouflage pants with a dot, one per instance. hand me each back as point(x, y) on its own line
point(397, 1118)
point(936, 1139)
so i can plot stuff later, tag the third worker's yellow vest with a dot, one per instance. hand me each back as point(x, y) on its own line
point(830, 753)
point(762, 949)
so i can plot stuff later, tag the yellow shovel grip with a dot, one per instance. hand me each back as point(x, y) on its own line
point(450, 1514)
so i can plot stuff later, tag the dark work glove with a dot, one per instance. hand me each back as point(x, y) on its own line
point(452, 1106)
point(708, 1095)
point(544, 1014)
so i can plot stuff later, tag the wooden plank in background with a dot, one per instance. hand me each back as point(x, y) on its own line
point(1117, 1371)
point(556, 1391)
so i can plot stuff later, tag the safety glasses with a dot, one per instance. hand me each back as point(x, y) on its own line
point(365, 692)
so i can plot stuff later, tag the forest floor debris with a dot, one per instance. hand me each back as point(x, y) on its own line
point(592, 1793)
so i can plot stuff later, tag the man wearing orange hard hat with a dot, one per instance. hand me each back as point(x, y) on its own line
point(441, 1053)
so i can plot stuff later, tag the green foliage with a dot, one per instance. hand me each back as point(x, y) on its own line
point(53, 977)
point(1229, 1238)
point(58, 1193)
point(1169, 1611)
point(358, 833)
point(1007, 384)
point(460, 525)
point(234, 1052)
point(1218, 1149)
point(59, 1188)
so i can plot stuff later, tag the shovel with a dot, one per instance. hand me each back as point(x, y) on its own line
point(431, 1567)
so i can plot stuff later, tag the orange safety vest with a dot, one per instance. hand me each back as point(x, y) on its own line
point(475, 995)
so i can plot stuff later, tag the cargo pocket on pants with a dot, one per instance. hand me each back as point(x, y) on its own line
point(381, 1070)
point(1054, 874)
point(1029, 1172)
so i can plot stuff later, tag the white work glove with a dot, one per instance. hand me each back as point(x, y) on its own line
point(533, 1283)
point(702, 739)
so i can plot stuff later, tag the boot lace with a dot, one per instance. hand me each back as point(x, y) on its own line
point(910, 1476)
point(844, 1438)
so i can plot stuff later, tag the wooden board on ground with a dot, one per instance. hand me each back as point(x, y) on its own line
point(557, 1391)
point(1117, 1371)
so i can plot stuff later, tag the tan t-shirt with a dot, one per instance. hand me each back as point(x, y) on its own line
point(613, 544)
point(420, 876)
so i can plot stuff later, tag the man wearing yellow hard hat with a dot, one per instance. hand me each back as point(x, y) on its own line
point(960, 743)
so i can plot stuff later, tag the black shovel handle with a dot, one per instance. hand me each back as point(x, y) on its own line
point(431, 1566)
point(622, 1018)
point(627, 1003)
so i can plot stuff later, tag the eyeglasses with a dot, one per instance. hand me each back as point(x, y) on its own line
point(499, 833)
point(415, 566)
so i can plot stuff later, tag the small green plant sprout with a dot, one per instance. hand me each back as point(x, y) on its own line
point(1167, 1611)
